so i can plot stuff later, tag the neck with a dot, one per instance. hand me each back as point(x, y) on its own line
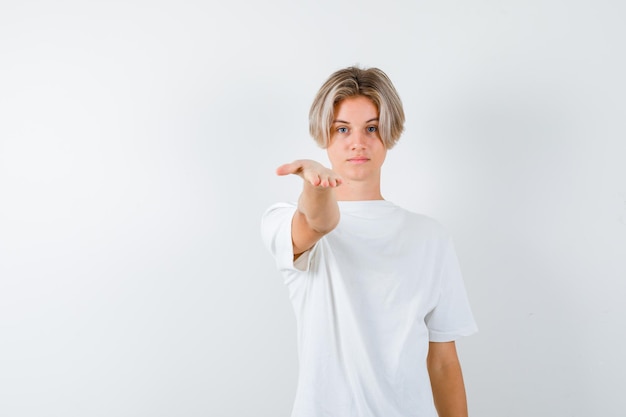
point(358, 191)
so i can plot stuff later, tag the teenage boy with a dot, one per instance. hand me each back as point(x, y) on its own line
point(377, 291)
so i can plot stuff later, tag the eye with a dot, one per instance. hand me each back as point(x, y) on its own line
point(372, 129)
point(342, 129)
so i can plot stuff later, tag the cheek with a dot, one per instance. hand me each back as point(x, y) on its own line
point(379, 148)
point(336, 147)
point(331, 151)
point(382, 154)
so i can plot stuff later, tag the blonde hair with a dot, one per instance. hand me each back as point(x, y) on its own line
point(349, 82)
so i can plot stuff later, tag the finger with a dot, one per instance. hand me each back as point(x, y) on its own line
point(334, 180)
point(316, 180)
point(287, 169)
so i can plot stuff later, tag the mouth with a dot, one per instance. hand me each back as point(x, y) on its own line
point(358, 160)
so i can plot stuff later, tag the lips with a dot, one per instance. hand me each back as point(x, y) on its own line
point(358, 160)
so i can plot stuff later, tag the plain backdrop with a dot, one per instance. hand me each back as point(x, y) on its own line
point(138, 143)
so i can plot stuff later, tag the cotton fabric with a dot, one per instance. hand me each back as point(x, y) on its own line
point(368, 298)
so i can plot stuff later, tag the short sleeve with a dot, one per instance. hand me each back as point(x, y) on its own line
point(452, 316)
point(276, 234)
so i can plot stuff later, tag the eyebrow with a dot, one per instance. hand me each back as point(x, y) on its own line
point(347, 123)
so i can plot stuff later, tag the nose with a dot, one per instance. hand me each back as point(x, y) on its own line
point(358, 141)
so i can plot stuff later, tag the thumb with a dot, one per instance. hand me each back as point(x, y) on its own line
point(287, 169)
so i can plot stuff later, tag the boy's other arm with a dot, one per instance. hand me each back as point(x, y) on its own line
point(446, 380)
point(317, 213)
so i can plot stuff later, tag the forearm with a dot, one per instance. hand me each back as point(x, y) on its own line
point(319, 207)
point(446, 380)
point(449, 391)
point(318, 211)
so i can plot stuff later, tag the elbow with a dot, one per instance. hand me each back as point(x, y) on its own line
point(325, 227)
point(324, 230)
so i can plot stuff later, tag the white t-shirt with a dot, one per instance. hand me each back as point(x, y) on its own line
point(368, 297)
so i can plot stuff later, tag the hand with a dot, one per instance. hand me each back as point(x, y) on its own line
point(313, 172)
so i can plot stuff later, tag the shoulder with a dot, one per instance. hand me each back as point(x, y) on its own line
point(276, 216)
point(280, 206)
point(276, 230)
point(278, 210)
point(426, 225)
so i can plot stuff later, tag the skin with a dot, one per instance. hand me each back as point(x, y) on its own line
point(446, 380)
point(355, 151)
point(356, 154)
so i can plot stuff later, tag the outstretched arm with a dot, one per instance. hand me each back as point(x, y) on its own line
point(446, 380)
point(318, 212)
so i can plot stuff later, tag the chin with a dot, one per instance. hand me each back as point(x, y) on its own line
point(360, 177)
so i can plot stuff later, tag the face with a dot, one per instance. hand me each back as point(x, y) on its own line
point(356, 151)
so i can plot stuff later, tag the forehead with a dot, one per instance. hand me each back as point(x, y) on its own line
point(355, 108)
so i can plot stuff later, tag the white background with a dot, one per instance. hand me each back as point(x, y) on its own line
point(138, 142)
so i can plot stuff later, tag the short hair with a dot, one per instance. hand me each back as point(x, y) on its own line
point(350, 82)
